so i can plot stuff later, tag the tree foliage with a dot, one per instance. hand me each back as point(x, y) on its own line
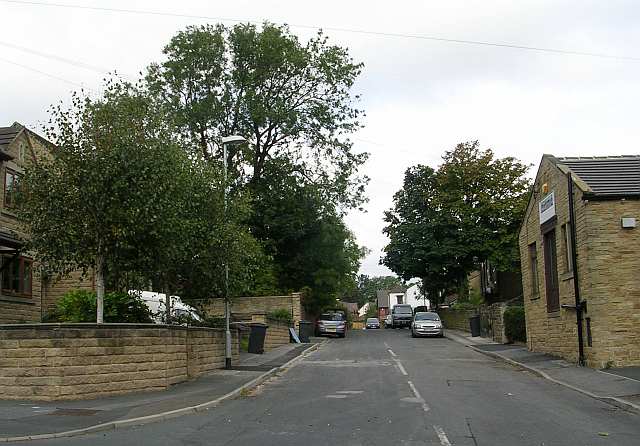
point(293, 103)
point(291, 100)
point(443, 222)
point(121, 195)
point(366, 288)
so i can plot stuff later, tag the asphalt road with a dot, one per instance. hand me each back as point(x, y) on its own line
point(381, 387)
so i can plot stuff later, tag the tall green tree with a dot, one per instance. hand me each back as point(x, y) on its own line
point(119, 193)
point(291, 100)
point(443, 222)
point(366, 288)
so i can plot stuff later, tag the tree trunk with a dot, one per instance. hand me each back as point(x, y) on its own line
point(99, 289)
point(167, 304)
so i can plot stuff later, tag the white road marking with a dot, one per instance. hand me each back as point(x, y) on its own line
point(444, 441)
point(392, 354)
point(350, 392)
point(387, 345)
point(425, 406)
point(401, 367)
point(336, 396)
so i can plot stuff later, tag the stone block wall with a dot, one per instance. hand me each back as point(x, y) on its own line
point(491, 320)
point(244, 307)
point(78, 361)
point(455, 319)
point(277, 334)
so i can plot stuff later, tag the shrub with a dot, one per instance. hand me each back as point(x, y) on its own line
point(281, 314)
point(514, 324)
point(80, 306)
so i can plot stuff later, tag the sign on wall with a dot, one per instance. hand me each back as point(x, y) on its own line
point(547, 208)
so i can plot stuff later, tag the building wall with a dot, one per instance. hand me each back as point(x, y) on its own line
point(608, 266)
point(613, 298)
point(80, 361)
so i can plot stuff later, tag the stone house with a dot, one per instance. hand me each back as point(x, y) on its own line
point(606, 201)
point(25, 295)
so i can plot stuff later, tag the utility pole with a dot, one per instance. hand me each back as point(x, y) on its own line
point(227, 140)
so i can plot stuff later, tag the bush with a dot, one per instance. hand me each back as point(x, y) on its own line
point(281, 314)
point(514, 324)
point(80, 306)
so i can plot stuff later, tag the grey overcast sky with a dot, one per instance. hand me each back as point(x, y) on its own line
point(421, 97)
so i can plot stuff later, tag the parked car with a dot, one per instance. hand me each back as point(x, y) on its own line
point(426, 324)
point(388, 321)
point(332, 323)
point(401, 316)
point(373, 322)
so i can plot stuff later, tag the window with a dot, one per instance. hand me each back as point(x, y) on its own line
point(551, 271)
point(11, 185)
point(533, 269)
point(17, 276)
point(568, 253)
point(399, 298)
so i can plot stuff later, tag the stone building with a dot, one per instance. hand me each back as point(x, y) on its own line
point(25, 295)
point(606, 196)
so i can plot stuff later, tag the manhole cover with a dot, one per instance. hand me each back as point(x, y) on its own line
point(75, 412)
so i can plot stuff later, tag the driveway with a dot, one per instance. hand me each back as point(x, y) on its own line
point(381, 387)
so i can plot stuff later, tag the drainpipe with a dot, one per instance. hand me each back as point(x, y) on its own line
point(580, 306)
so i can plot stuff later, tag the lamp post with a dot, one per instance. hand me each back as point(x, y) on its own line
point(232, 140)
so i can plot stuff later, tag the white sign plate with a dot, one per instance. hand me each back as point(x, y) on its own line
point(547, 208)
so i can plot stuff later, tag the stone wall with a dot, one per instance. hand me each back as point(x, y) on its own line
point(608, 265)
point(277, 334)
point(491, 320)
point(455, 319)
point(243, 308)
point(79, 361)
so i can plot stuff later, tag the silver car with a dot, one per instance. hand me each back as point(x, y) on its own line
point(332, 323)
point(426, 324)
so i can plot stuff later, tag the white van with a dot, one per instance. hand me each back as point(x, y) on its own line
point(156, 302)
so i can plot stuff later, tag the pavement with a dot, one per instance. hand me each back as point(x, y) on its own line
point(619, 387)
point(382, 387)
point(37, 419)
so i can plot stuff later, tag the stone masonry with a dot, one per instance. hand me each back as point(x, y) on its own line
point(243, 308)
point(79, 361)
point(608, 268)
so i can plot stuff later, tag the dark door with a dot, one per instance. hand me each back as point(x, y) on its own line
point(551, 271)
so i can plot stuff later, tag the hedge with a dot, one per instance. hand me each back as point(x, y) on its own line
point(514, 324)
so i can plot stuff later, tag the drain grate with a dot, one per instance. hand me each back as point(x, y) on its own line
point(74, 412)
point(252, 368)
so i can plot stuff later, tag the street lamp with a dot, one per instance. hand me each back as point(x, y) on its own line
point(232, 140)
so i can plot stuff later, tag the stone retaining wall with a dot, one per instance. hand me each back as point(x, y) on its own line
point(277, 334)
point(245, 307)
point(78, 361)
point(491, 320)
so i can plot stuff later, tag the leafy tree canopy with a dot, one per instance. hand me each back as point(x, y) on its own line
point(291, 100)
point(443, 222)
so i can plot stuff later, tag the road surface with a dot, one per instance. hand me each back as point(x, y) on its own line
point(381, 387)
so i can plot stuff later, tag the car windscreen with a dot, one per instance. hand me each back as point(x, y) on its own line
point(331, 317)
point(372, 319)
point(403, 310)
point(427, 317)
